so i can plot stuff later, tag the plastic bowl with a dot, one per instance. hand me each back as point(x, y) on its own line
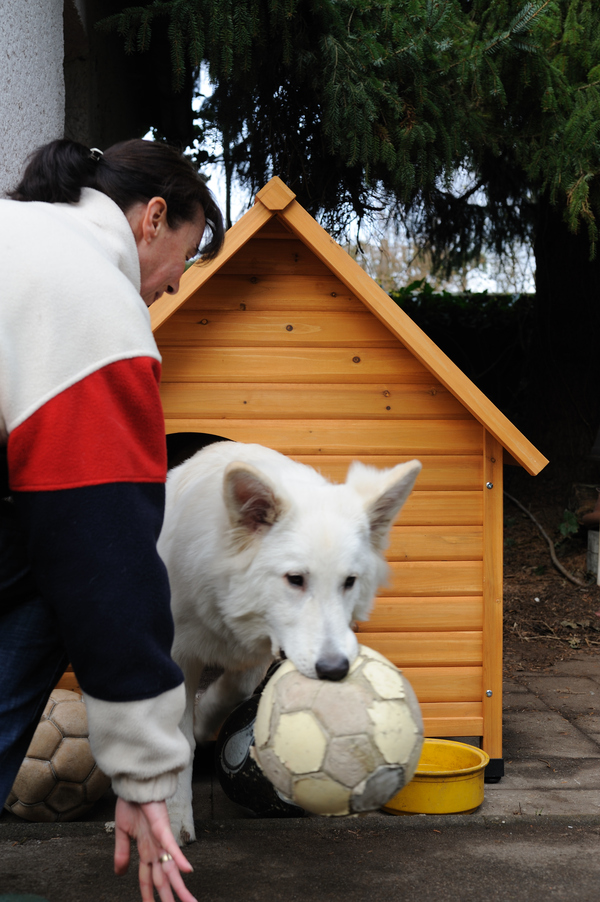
point(448, 780)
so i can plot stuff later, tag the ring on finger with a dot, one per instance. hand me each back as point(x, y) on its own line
point(166, 857)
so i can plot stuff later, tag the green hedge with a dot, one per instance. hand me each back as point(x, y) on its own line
point(488, 336)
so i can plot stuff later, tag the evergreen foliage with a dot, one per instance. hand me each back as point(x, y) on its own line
point(473, 122)
point(360, 103)
point(355, 103)
point(540, 146)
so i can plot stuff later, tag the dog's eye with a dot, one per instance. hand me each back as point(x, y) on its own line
point(350, 580)
point(295, 579)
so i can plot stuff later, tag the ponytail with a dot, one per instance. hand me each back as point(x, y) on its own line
point(56, 173)
point(131, 172)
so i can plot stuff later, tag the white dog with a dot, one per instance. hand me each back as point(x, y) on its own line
point(265, 556)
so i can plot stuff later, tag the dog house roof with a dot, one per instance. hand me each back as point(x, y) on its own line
point(277, 200)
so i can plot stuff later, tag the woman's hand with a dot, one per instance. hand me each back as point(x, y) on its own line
point(161, 859)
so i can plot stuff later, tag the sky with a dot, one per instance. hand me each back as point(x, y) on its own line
point(490, 277)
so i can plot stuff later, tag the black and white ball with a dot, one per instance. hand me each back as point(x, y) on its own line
point(336, 748)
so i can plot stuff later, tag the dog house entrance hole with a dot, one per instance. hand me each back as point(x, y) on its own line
point(183, 445)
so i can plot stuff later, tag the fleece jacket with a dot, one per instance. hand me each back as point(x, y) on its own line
point(81, 418)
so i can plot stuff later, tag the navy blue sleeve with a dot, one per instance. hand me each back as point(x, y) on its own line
point(93, 555)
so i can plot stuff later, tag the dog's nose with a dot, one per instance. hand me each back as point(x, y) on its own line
point(332, 667)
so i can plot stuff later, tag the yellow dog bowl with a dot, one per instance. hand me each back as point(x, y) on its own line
point(448, 780)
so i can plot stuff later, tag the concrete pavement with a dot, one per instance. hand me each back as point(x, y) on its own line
point(535, 837)
point(551, 739)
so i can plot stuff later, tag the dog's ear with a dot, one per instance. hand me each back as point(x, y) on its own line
point(251, 499)
point(384, 492)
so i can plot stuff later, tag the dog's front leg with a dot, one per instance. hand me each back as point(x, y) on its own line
point(179, 806)
point(222, 696)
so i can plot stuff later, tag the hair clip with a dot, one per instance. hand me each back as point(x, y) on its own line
point(95, 154)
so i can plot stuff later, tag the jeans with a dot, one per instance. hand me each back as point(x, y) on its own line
point(32, 654)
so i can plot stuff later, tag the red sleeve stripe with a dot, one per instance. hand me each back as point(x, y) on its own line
point(109, 427)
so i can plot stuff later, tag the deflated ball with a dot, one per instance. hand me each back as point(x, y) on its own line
point(344, 747)
point(59, 779)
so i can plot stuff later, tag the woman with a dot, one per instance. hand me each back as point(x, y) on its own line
point(87, 242)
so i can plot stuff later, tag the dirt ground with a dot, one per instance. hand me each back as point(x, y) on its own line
point(548, 618)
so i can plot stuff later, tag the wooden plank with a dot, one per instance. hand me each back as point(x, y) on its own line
point(321, 401)
point(451, 725)
point(356, 365)
point(429, 543)
point(409, 578)
point(346, 269)
point(228, 293)
point(241, 329)
point(271, 256)
point(418, 614)
point(344, 436)
point(451, 483)
point(444, 649)
point(452, 719)
point(275, 228)
point(439, 684)
point(440, 472)
point(437, 728)
point(453, 709)
point(442, 509)
point(492, 597)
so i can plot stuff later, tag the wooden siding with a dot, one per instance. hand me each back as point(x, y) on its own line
point(305, 365)
point(301, 401)
point(267, 329)
point(304, 227)
point(492, 595)
point(275, 349)
point(268, 291)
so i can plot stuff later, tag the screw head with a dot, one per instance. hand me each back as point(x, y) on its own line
point(489, 693)
point(489, 485)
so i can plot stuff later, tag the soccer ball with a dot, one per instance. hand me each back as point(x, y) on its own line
point(336, 748)
point(59, 779)
point(241, 779)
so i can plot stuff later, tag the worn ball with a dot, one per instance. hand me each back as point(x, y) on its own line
point(336, 748)
point(59, 779)
point(241, 779)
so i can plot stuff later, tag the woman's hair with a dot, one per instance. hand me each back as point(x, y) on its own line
point(128, 173)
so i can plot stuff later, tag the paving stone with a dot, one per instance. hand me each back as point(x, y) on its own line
point(526, 701)
point(534, 733)
point(579, 694)
point(585, 666)
point(590, 725)
point(514, 688)
point(550, 773)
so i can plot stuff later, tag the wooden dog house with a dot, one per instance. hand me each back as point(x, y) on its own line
point(284, 340)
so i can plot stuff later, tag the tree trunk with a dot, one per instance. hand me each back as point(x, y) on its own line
point(564, 401)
